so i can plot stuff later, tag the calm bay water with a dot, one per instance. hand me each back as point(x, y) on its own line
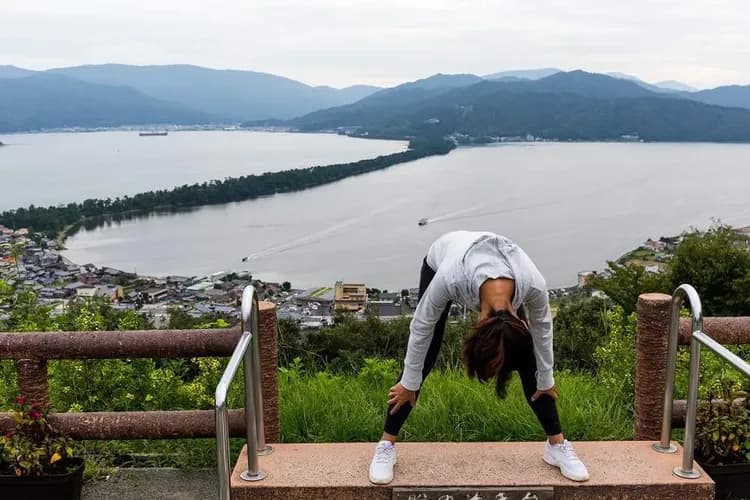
point(46, 169)
point(570, 206)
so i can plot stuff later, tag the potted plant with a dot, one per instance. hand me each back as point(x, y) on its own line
point(36, 462)
point(722, 444)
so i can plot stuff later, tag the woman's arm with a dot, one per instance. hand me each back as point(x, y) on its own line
point(422, 328)
point(540, 326)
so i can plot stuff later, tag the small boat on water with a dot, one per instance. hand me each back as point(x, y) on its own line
point(423, 222)
point(152, 133)
point(244, 259)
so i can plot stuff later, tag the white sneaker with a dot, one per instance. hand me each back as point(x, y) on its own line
point(564, 456)
point(381, 468)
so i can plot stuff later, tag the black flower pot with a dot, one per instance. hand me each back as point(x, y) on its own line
point(62, 486)
point(732, 481)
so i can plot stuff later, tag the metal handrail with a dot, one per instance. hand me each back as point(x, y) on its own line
point(698, 338)
point(246, 350)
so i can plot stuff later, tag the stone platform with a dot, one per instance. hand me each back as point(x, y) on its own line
point(619, 470)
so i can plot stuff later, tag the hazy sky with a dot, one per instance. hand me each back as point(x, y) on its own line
point(342, 42)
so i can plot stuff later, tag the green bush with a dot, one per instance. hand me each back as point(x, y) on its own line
point(580, 327)
point(8, 383)
point(723, 429)
point(715, 373)
point(615, 358)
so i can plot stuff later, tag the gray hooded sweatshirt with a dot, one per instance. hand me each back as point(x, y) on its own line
point(463, 261)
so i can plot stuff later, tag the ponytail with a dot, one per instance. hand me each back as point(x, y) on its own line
point(488, 350)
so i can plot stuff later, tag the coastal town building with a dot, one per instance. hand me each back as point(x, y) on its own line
point(350, 296)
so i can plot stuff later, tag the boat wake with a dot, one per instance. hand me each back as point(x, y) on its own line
point(315, 236)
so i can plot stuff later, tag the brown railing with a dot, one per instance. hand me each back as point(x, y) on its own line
point(652, 337)
point(31, 351)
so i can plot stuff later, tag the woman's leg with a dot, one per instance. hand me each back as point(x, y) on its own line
point(557, 451)
point(394, 422)
point(545, 407)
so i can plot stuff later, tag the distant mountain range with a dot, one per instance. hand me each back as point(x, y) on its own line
point(675, 85)
point(536, 74)
point(49, 101)
point(212, 95)
point(565, 105)
point(523, 74)
point(226, 94)
point(14, 72)
point(114, 95)
point(729, 96)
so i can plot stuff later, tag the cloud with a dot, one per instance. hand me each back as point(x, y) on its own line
point(340, 42)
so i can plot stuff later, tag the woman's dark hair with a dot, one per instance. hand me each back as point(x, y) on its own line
point(494, 348)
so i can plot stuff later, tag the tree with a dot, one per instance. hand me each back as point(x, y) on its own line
point(717, 264)
point(627, 281)
point(286, 286)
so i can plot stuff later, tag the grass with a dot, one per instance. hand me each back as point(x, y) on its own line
point(641, 254)
point(324, 407)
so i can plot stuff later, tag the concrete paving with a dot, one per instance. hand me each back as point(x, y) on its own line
point(153, 484)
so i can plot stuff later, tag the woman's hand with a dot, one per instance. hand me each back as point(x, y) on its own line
point(399, 395)
point(551, 392)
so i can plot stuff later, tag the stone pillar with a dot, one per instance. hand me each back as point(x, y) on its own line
point(32, 380)
point(652, 336)
point(269, 366)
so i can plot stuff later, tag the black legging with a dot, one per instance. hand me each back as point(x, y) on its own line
point(544, 407)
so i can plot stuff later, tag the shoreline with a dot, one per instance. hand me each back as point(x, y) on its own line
point(59, 221)
point(474, 141)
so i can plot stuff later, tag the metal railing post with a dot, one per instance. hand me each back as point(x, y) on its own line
point(243, 353)
point(682, 291)
point(688, 446)
point(697, 339)
point(222, 449)
point(253, 472)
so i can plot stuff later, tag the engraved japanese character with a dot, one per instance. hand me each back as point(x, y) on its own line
point(530, 496)
point(476, 496)
point(446, 497)
point(501, 496)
